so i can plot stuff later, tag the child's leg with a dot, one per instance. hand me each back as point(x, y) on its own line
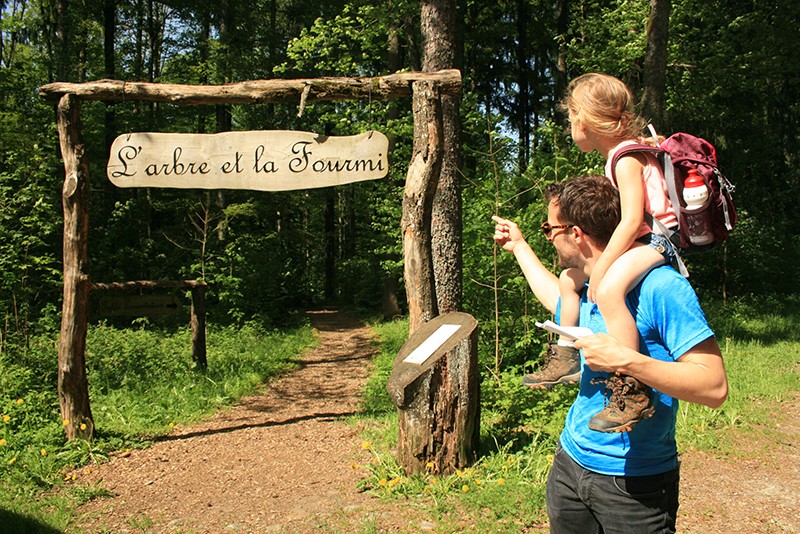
point(630, 399)
point(563, 363)
point(570, 285)
point(621, 277)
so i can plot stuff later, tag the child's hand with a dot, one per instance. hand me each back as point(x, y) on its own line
point(594, 282)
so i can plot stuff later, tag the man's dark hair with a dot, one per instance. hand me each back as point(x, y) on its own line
point(590, 202)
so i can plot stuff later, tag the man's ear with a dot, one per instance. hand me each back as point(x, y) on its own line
point(582, 237)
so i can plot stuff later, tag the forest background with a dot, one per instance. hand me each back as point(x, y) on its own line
point(729, 75)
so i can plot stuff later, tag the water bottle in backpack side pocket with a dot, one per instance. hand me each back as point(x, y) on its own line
point(696, 213)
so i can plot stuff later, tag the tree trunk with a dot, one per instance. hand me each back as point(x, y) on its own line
point(109, 44)
point(441, 50)
point(523, 112)
point(562, 26)
point(655, 61)
point(73, 389)
point(439, 414)
point(63, 40)
point(330, 244)
point(421, 181)
point(390, 303)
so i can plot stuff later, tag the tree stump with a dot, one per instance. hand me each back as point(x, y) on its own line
point(439, 400)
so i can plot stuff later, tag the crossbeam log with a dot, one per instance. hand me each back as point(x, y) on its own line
point(258, 91)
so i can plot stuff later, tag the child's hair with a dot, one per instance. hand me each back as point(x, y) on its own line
point(604, 104)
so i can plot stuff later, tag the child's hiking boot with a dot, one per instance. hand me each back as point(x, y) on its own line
point(628, 404)
point(562, 367)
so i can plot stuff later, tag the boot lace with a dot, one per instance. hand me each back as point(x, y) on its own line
point(616, 389)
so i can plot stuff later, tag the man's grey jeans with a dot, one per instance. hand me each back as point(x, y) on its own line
point(583, 502)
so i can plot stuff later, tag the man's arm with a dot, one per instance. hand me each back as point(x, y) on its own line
point(698, 376)
point(543, 283)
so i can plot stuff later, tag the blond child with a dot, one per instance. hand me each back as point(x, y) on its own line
point(602, 118)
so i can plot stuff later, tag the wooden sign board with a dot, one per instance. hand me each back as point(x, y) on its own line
point(139, 305)
point(425, 347)
point(257, 160)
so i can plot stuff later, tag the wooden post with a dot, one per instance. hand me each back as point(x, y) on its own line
point(421, 181)
point(73, 389)
point(198, 322)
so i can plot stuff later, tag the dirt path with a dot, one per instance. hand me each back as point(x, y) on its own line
point(754, 490)
point(283, 462)
point(277, 462)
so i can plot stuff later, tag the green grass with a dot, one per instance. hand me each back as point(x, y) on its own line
point(519, 428)
point(142, 382)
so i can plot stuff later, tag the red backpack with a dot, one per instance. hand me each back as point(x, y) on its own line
point(678, 154)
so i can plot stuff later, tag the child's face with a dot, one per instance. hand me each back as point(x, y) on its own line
point(578, 132)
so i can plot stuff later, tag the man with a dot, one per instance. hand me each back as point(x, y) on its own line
point(619, 482)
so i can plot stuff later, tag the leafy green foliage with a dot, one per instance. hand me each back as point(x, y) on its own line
point(142, 383)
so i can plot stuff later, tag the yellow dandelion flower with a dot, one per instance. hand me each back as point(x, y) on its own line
point(505, 468)
point(366, 445)
point(429, 466)
point(394, 481)
point(11, 461)
point(477, 482)
point(43, 452)
point(465, 488)
point(65, 422)
point(2, 441)
point(459, 472)
point(501, 481)
point(382, 482)
point(83, 426)
point(354, 466)
point(6, 418)
point(172, 425)
point(20, 401)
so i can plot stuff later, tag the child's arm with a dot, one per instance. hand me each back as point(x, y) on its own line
point(631, 194)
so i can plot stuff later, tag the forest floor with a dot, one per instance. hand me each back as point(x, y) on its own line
point(285, 461)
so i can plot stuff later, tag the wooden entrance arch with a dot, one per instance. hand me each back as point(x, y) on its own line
point(425, 88)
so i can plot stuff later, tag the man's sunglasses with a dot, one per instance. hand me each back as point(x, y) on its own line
point(547, 228)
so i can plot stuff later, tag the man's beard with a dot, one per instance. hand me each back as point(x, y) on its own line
point(566, 261)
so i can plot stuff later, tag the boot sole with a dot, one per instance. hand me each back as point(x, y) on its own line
point(568, 379)
point(627, 427)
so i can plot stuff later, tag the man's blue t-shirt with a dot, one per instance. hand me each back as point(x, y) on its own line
point(670, 322)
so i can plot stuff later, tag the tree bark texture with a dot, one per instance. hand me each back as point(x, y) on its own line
point(439, 416)
point(258, 91)
point(442, 50)
point(655, 61)
point(73, 389)
point(421, 181)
